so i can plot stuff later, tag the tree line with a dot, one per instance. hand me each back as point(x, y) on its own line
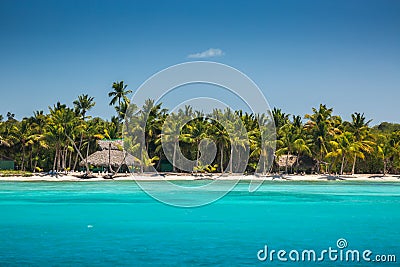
point(320, 142)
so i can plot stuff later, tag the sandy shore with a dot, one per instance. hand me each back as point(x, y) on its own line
point(175, 177)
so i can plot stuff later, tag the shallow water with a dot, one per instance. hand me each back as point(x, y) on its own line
point(116, 223)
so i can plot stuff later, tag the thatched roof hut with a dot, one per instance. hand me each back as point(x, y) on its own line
point(281, 160)
point(101, 158)
point(115, 156)
point(115, 144)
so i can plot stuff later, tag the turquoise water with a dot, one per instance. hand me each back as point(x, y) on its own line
point(115, 223)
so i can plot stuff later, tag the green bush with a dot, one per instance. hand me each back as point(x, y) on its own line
point(10, 173)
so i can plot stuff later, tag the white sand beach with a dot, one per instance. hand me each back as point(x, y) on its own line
point(185, 177)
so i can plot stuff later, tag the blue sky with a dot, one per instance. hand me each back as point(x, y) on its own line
point(345, 54)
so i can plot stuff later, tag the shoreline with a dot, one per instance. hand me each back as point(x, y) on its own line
point(179, 177)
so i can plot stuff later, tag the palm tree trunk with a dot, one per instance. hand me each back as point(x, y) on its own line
point(264, 171)
point(141, 159)
point(30, 158)
point(65, 158)
point(384, 167)
point(55, 159)
point(230, 160)
point(354, 165)
point(23, 158)
point(198, 155)
point(239, 158)
point(73, 144)
point(141, 156)
point(110, 170)
point(87, 155)
point(35, 165)
point(70, 159)
point(287, 163)
point(272, 164)
point(120, 165)
point(80, 147)
point(318, 166)
point(342, 166)
point(222, 158)
point(174, 158)
point(59, 159)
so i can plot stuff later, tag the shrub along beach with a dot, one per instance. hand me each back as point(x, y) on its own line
point(320, 144)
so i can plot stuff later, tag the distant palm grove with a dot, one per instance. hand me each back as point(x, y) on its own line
point(321, 142)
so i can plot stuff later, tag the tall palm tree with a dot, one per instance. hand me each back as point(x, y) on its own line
point(121, 110)
point(221, 137)
point(119, 94)
point(302, 142)
point(154, 116)
point(83, 104)
point(262, 144)
point(38, 123)
point(22, 134)
point(359, 127)
point(286, 142)
point(63, 126)
point(320, 126)
point(280, 118)
point(197, 130)
point(343, 146)
point(388, 149)
point(171, 135)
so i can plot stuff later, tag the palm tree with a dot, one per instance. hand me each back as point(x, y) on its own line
point(197, 130)
point(120, 93)
point(285, 142)
point(320, 126)
point(302, 147)
point(153, 115)
point(10, 116)
point(359, 127)
point(388, 149)
point(280, 118)
point(343, 146)
point(301, 144)
point(171, 135)
point(221, 137)
point(83, 104)
point(92, 133)
point(63, 125)
point(22, 133)
point(121, 110)
point(3, 137)
point(38, 123)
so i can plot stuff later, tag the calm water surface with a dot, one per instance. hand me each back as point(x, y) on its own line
point(115, 223)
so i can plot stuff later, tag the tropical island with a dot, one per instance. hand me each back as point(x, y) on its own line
point(68, 141)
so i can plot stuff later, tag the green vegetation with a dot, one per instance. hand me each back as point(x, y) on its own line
point(11, 173)
point(320, 141)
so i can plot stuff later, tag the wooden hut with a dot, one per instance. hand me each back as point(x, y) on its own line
point(110, 154)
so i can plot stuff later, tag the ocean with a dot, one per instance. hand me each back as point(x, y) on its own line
point(115, 223)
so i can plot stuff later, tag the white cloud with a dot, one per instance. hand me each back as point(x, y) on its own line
point(212, 52)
